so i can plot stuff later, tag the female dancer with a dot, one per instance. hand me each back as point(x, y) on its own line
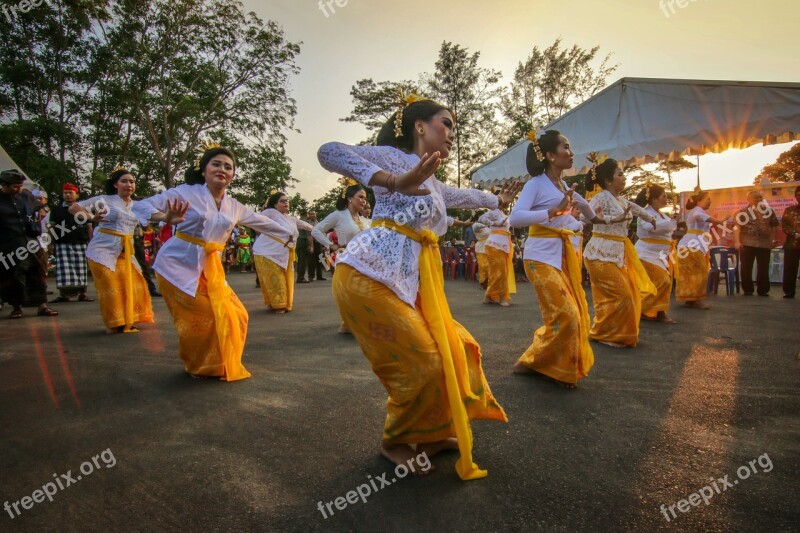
point(619, 281)
point(693, 253)
point(346, 222)
point(499, 253)
point(654, 247)
point(389, 287)
point(121, 289)
point(210, 319)
point(482, 232)
point(275, 258)
point(560, 347)
point(244, 255)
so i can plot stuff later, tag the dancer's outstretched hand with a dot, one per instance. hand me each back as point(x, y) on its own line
point(409, 182)
point(176, 212)
point(509, 192)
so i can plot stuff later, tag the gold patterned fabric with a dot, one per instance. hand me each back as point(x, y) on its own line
point(112, 294)
point(617, 303)
point(274, 283)
point(653, 303)
point(559, 348)
point(498, 275)
point(404, 355)
point(693, 275)
point(198, 342)
point(483, 268)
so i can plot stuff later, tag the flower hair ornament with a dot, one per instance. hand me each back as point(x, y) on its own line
point(647, 186)
point(595, 158)
point(346, 182)
point(117, 168)
point(206, 146)
point(533, 137)
point(405, 100)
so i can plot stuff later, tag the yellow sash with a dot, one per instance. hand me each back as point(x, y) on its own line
point(437, 316)
point(634, 264)
point(573, 274)
point(511, 277)
point(231, 343)
point(289, 271)
point(127, 247)
point(672, 260)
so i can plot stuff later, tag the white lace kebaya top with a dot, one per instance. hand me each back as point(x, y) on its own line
point(105, 248)
point(482, 232)
point(496, 220)
point(382, 254)
point(538, 195)
point(600, 249)
point(656, 254)
point(181, 262)
point(696, 219)
point(343, 224)
point(268, 247)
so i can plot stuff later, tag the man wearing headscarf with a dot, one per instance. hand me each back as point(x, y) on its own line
point(20, 269)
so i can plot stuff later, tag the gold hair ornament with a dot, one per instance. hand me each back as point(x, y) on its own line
point(647, 186)
point(534, 138)
point(346, 182)
point(206, 146)
point(596, 159)
point(405, 100)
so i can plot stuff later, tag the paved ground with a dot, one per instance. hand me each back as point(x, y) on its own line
point(650, 426)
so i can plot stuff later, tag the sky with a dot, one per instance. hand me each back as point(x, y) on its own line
point(395, 40)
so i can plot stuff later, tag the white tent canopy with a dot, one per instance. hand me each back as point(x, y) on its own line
point(641, 120)
point(6, 163)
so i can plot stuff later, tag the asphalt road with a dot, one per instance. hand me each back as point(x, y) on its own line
point(715, 395)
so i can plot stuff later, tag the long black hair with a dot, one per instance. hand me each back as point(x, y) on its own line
point(548, 143)
point(342, 201)
point(601, 175)
point(194, 175)
point(694, 199)
point(423, 110)
point(110, 186)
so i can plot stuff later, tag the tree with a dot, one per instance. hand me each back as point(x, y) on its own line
point(373, 103)
point(470, 91)
point(785, 168)
point(297, 204)
point(326, 204)
point(549, 83)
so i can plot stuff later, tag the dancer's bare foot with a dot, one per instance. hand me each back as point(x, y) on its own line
point(665, 318)
point(343, 330)
point(505, 303)
point(489, 301)
point(565, 384)
point(697, 305)
point(648, 318)
point(401, 454)
point(432, 448)
point(519, 368)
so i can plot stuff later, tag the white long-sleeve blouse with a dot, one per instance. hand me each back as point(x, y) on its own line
point(482, 232)
point(119, 216)
point(268, 247)
point(538, 196)
point(343, 224)
point(496, 220)
point(656, 254)
point(696, 219)
point(181, 262)
point(600, 249)
point(383, 254)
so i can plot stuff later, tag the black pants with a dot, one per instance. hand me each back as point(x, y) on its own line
point(26, 275)
point(303, 258)
point(314, 265)
point(760, 256)
point(791, 259)
point(138, 253)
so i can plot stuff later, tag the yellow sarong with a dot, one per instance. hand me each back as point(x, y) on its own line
point(633, 264)
point(483, 267)
point(229, 335)
point(450, 345)
point(127, 273)
point(571, 273)
point(272, 279)
point(511, 277)
point(652, 304)
point(672, 258)
point(277, 284)
point(617, 303)
point(693, 279)
point(113, 295)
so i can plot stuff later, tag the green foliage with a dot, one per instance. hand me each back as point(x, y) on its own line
point(785, 168)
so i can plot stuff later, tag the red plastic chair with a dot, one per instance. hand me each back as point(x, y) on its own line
point(471, 266)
